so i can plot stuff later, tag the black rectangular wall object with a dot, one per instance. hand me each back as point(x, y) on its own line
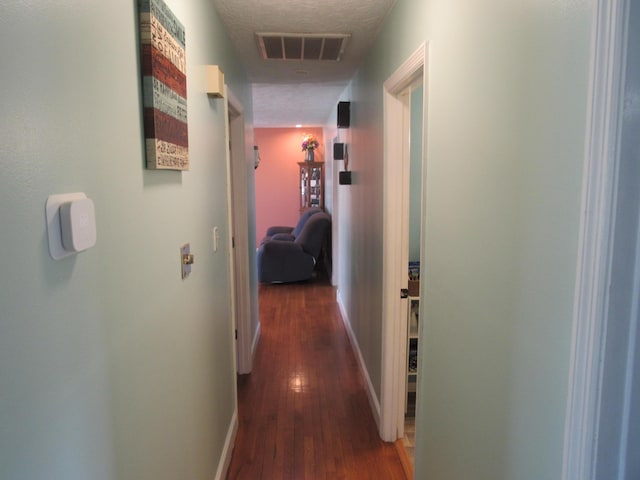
point(338, 151)
point(344, 115)
point(344, 178)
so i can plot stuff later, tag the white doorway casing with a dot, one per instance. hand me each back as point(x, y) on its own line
point(395, 240)
point(239, 234)
point(599, 407)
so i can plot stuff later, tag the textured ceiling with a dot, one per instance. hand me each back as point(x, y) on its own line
point(291, 92)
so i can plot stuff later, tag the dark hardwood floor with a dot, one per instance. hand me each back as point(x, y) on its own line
point(303, 411)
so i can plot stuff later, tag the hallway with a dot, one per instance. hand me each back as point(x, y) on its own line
point(303, 411)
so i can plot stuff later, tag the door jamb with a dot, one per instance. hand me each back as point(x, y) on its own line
point(595, 245)
point(238, 230)
point(393, 279)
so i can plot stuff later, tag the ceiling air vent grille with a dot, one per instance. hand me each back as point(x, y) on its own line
point(300, 46)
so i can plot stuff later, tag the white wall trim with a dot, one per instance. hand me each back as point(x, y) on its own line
point(234, 101)
point(256, 339)
point(627, 406)
point(371, 393)
point(595, 242)
point(394, 277)
point(408, 72)
point(238, 227)
point(227, 450)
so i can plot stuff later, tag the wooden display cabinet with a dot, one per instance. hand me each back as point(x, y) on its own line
point(311, 185)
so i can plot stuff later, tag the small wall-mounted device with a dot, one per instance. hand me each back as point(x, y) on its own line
point(344, 114)
point(215, 81)
point(71, 224)
point(344, 178)
point(338, 151)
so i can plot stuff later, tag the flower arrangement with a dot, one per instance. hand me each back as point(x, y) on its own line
point(309, 142)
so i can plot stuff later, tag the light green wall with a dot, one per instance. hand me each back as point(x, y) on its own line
point(360, 225)
point(111, 366)
point(507, 95)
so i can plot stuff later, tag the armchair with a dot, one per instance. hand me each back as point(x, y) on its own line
point(290, 233)
point(294, 260)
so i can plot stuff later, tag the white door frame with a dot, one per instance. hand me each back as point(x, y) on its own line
point(595, 254)
point(238, 230)
point(395, 245)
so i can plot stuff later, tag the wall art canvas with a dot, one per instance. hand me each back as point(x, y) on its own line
point(164, 87)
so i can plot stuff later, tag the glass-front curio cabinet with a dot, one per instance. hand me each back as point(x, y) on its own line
point(311, 185)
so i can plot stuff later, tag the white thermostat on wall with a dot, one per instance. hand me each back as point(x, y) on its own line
point(71, 224)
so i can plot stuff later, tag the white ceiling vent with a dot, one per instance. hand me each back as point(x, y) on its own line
point(301, 46)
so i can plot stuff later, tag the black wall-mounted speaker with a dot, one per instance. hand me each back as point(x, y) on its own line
point(338, 151)
point(344, 114)
point(344, 178)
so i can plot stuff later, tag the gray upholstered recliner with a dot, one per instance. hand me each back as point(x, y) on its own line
point(290, 233)
point(293, 261)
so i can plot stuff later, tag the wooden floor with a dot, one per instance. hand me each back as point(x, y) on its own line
point(303, 411)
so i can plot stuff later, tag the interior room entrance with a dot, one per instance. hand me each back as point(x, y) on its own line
point(404, 133)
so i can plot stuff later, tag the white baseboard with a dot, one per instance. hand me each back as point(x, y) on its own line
point(256, 339)
point(227, 451)
point(371, 393)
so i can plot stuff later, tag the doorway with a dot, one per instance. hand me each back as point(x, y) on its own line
point(397, 173)
point(238, 214)
point(415, 128)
